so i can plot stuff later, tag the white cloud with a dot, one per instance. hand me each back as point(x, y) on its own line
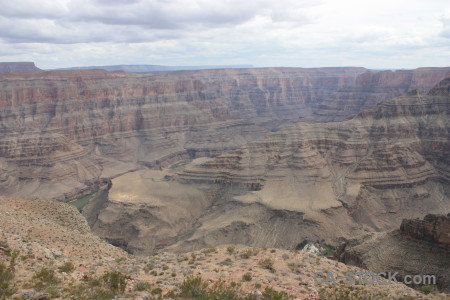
point(382, 33)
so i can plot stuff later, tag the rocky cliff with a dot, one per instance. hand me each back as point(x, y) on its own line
point(65, 132)
point(372, 87)
point(433, 229)
point(307, 181)
point(18, 67)
point(425, 242)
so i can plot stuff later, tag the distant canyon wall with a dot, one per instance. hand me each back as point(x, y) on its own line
point(18, 67)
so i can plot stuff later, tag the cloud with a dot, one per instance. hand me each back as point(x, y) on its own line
point(260, 32)
point(446, 25)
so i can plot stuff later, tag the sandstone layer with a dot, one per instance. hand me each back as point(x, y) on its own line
point(67, 132)
point(307, 181)
point(420, 247)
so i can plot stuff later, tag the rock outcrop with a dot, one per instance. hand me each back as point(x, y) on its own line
point(66, 132)
point(307, 181)
point(420, 247)
point(433, 229)
point(18, 67)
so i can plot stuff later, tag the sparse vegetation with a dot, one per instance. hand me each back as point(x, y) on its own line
point(301, 245)
point(209, 250)
point(247, 277)
point(197, 288)
point(115, 281)
point(271, 294)
point(351, 292)
point(230, 249)
point(141, 286)
point(267, 263)
point(44, 279)
point(101, 288)
point(68, 267)
point(7, 276)
point(427, 289)
point(249, 252)
point(226, 262)
point(328, 250)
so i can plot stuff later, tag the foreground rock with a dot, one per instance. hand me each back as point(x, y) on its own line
point(60, 258)
point(308, 181)
point(419, 247)
point(65, 133)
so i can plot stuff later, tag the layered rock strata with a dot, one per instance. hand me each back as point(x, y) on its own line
point(64, 132)
point(307, 181)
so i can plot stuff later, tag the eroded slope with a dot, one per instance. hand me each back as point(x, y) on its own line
point(315, 181)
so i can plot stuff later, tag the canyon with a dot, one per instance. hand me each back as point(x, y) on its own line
point(65, 133)
point(307, 181)
point(180, 161)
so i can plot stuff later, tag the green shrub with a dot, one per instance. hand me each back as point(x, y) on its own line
point(301, 245)
point(196, 288)
point(328, 250)
point(271, 294)
point(230, 249)
point(209, 250)
point(99, 288)
point(86, 292)
point(115, 281)
point(67, 267)
point(426, 289)
point(267, 263)
point(193, 287)
point(141, 286)
point(350, 292)
point(249, 253)
point(6, 281)
point(247, 277)
point(44, 279)
point(226, 262)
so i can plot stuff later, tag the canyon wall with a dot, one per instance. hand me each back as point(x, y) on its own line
point(66, 132)
point(307, 181)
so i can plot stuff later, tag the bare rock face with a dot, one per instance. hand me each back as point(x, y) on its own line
point(434, 229)
point(420, 247)
point(372, 87)
point(307, 181)
point(18, 67)
point(66, 132)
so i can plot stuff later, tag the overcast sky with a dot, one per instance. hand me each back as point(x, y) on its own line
point(293, 33)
